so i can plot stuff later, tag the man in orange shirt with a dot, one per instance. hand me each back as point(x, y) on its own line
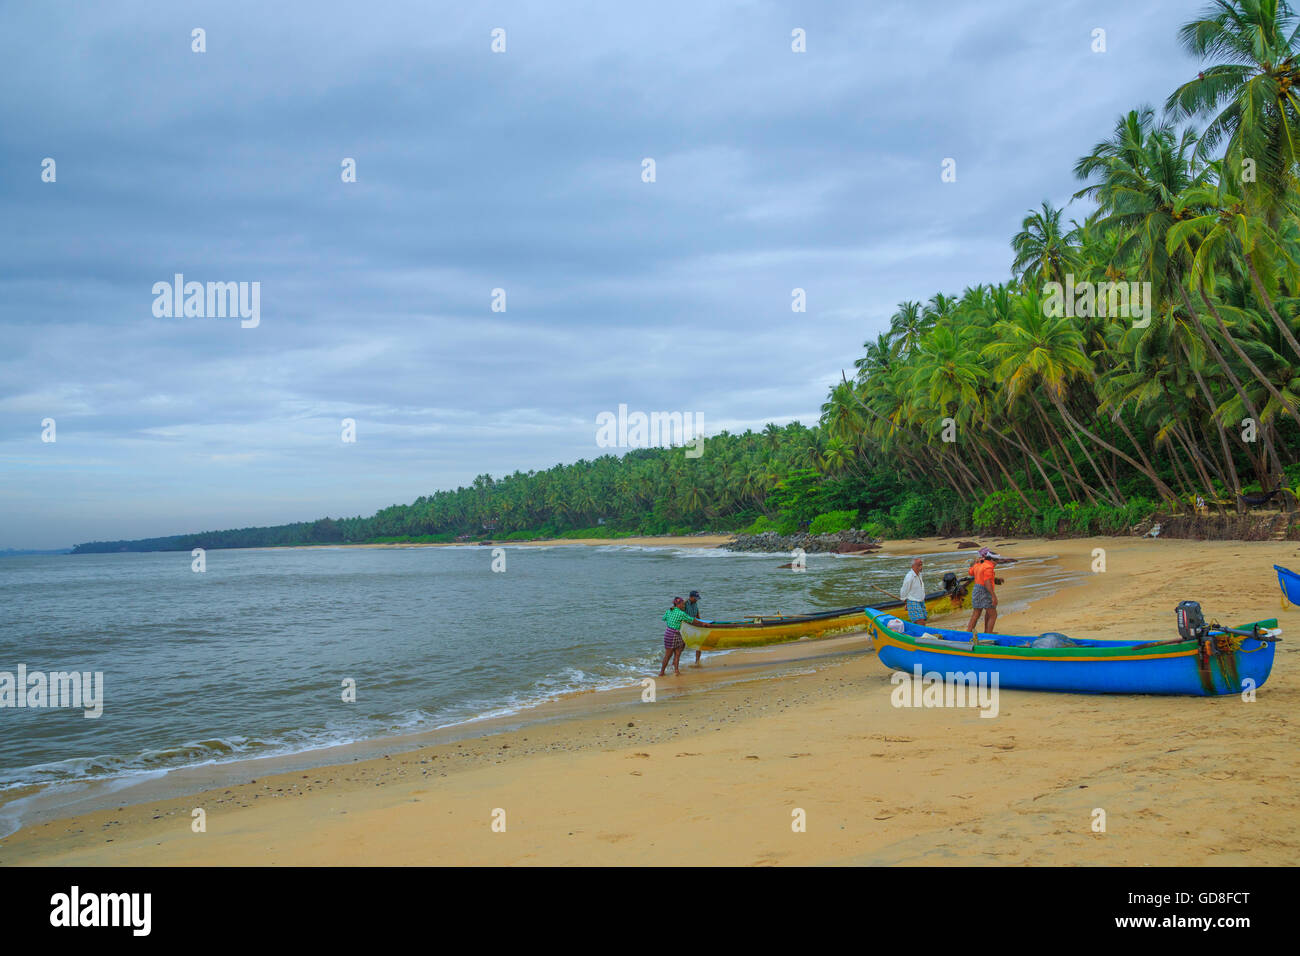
point(983, 598)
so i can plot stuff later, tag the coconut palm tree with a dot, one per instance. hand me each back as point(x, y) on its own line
point(907, 325)
point(1045, 250)
point(1247, 82)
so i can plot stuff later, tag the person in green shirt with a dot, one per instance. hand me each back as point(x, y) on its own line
point(693, 609)
point(673, 643)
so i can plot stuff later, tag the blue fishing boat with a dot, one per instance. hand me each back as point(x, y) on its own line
point(1205, 659)
point(1289, 582)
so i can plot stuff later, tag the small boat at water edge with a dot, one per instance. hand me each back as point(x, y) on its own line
point(777, 629)
point(1204, 660)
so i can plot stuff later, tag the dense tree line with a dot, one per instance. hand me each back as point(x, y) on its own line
point(1052, 403)
point(648, 491)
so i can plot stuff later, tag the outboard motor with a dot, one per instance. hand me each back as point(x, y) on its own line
point(1191, 622)
point(1192, 627)
point(950, 581)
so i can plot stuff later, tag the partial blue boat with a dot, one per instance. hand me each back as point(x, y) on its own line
point(1225, 663)
point(1289, 582)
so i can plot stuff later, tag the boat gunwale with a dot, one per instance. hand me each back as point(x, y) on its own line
point(1099, 651)
point(818, 616)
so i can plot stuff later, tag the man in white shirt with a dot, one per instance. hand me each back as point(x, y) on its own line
point(913, 592)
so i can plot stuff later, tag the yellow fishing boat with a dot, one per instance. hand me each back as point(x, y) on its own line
point(778, 628)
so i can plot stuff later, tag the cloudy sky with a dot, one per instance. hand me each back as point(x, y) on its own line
point(477, 170)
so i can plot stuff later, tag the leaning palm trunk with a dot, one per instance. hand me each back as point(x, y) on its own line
point(1282, 326)
point(1189, 483)
point(1162, 489)
point(968, 488)
point(1029, 456)
point(1119, 420)
point(1194, 456)
point(1059, 446)
point(1185, 483)
point(1227, 370)
point(1223, 436)
point(1039, 461)
point(948, 476)
point(1180, 482)
point(1006, 474)
point(1241, 354)
point(1106, 486)
point(1206, 454)
point(989, 483)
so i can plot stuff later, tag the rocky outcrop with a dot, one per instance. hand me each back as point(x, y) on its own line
point(842, 542)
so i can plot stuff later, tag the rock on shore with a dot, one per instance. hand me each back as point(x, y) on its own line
point(842, 542)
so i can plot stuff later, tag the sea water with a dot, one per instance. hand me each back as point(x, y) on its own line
point(289, 650)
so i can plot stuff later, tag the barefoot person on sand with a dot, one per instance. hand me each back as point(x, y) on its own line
point(983, 598)
point(673, 643)
point(693, 609)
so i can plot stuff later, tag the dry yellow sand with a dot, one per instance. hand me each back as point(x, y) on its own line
point(712, 772)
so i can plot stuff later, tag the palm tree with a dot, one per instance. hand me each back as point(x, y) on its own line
point(1034, 349)
point(1045, 252)
point(1205, 237)
point(1225, 226)
point(906, 326)
point(879, 355)
point(1251, 85)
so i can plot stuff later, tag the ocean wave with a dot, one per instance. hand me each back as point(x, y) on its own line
point(209, 751)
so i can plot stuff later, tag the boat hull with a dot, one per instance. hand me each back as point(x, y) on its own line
point(1094, 667)
point(1289, 582)
point(725, 635)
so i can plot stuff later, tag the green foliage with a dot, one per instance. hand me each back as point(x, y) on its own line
point(879, 524)
point(914, 517)
point(1081, 520)
point(1001, 512)
point(950, 512)
point(834, 521)
point(787, 526)
point(799, 497)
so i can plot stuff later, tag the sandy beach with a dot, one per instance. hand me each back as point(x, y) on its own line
point(717, 768)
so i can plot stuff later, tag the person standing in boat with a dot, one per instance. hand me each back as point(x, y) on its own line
point(913, 592)
point(673, 643)
point(693, 609)
point(983, 597)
